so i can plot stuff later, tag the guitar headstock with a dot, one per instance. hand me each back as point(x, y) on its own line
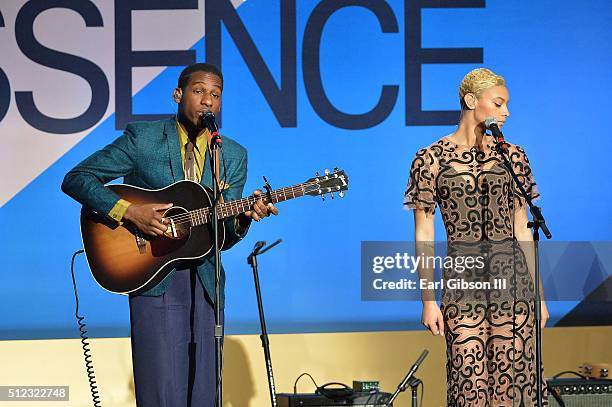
point(328, 183)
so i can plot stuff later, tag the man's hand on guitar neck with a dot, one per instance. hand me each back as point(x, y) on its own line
point(260, 210)
point(148, 218)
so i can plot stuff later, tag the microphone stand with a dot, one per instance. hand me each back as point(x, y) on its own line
point(265, 343)
point(414, 385)
point(219, 331)
point(408, 380)
point(208, 121)
point(535, 224)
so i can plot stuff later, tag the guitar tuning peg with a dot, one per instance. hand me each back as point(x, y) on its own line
point(335, 169)
point(326, 171)
point(331, 194)
point(341, 194)
point(317, 174)
point(323, 197)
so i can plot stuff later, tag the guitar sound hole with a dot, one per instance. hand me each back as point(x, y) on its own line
point(180, 225)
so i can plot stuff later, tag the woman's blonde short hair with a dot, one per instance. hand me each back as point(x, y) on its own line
point(477, 81)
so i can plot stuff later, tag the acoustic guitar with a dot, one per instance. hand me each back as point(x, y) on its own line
point(123, 260)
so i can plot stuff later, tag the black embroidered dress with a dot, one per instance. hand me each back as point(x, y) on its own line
point(489, 333)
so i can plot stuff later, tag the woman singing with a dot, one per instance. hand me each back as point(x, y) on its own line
point(489, 333)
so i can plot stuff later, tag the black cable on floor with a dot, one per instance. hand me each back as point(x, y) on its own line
point(91, 376)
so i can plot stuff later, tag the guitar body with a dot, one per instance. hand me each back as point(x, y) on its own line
point(123, 260)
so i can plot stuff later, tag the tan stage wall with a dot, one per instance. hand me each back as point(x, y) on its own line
point(383, 356)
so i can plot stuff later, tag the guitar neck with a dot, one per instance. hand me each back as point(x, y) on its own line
point(319, 185)
point(233, 208)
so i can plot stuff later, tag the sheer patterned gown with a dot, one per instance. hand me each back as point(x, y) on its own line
point(489, 333)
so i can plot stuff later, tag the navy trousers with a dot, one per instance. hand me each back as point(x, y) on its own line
point(173, 346)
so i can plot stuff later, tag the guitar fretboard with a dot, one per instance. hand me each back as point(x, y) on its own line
point(225, 210)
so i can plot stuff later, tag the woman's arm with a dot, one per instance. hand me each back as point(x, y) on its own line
point(424, 244)
point(525, 238)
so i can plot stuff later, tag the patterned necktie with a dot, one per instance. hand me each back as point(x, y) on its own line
point(190, 163)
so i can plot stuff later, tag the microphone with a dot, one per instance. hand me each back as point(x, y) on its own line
point(491, 124)
point(408, 378)
point(208, 120)
point(414, 368)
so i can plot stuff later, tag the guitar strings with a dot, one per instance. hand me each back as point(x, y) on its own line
point(204, 213)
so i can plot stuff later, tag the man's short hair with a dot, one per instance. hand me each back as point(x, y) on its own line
point(183, 79)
